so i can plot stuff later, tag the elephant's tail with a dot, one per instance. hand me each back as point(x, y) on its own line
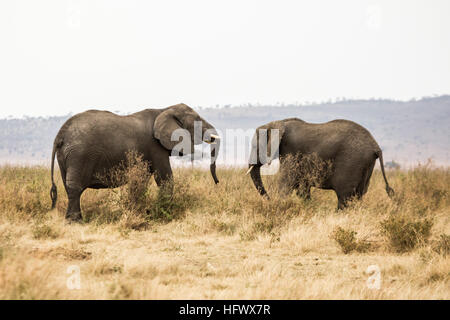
point(389, 190)
point(53, 190)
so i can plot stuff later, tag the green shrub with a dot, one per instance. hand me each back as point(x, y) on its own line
point(170, 202)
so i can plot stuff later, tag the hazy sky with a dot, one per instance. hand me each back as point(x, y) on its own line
point(59, 56)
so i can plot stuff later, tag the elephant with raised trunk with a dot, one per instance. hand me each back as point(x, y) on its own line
point(91, 143)
point(348, 147)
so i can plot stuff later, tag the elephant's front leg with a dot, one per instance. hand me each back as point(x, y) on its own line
point(163, 175)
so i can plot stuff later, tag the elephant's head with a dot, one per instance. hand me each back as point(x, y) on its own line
point(181, 116)
point(265, 148)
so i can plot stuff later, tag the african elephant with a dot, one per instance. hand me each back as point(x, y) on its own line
point(93, 142)
point(348, 147)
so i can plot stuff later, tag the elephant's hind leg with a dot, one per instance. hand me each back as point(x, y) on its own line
point(349, 179)
point(74, 209)
point(74, 190)
point(368, 175)
point(344, 198)
point(365, 179)
point(346, 190)
point(345, 195)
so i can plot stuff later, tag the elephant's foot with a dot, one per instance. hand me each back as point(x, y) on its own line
point(74, 217)
point(342, 205)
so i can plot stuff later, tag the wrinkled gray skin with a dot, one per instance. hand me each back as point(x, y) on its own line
point(93, 142)
point(351, 149)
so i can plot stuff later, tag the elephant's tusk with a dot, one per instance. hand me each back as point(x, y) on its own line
point(249, 170)
point(213, 136)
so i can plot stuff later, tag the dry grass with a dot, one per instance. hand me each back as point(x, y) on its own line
point(223, 241)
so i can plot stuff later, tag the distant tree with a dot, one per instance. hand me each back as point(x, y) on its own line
point(392, 165)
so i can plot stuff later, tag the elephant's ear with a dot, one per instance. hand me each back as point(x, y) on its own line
point(275, 130)
point(165, 124)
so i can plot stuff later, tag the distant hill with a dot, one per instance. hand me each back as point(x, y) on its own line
point(408, 132)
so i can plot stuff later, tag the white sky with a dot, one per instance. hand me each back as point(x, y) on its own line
point(59, 56)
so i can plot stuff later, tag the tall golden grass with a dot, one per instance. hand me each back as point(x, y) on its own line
point(224, 241)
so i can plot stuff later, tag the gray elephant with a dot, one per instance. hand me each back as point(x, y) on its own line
point(93, 142)
point(348, 147)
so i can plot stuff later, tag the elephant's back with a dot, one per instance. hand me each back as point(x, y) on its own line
point(334, 138)
point(101, 134)
point(96, 124)
point(353, 135)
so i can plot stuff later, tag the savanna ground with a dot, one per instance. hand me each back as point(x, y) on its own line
point(224, 241)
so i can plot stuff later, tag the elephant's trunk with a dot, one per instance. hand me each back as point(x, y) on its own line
point(214, 153)
point(254, 166)
point(211, 137)
point(255, 173)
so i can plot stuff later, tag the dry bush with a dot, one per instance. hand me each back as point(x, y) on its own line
point(224, 227)
point(136, 201)
point(423, 189)
point(44, 231)
point(132, 220)
point(260, 227)
point(127, 203)
point(132, 177)
point(405, 234)
point(346, 239)
point(271, 216)
point(301, 171)
point(172, 200)
point(442, 246)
